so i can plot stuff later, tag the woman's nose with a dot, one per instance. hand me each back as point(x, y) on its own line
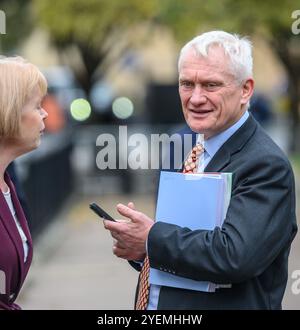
point(44, 113)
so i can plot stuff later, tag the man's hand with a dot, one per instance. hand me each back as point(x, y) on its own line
point(130, 236)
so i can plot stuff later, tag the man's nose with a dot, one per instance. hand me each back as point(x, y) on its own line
point(198, 97)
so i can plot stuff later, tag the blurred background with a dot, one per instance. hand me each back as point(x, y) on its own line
point(120, 57)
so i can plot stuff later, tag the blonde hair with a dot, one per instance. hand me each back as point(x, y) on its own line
point(18, 78)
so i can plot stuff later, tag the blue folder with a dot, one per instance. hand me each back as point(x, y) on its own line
point(195, 201)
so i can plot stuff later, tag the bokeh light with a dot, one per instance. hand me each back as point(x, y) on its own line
point(80, 109)
point(122, 107)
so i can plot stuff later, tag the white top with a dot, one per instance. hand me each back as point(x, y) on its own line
point(8, 199)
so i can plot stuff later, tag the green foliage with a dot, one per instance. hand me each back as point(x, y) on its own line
point(188, 18)
point(90, 21)
point(91, 25)
point(18, 24)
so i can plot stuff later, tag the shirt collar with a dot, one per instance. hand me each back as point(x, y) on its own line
point(213, 144)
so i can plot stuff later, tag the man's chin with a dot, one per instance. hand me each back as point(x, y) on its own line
point(197, 127)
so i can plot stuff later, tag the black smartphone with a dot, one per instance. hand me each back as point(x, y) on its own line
point(102, 214)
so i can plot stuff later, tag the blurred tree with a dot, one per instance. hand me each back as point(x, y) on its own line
point(95, 29)
point(19, 23)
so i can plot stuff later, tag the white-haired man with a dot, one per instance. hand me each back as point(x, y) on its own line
point(251, 249)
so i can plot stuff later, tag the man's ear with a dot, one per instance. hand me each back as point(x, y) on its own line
point(247, 90)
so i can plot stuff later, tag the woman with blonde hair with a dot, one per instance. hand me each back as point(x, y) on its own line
point(22, 88)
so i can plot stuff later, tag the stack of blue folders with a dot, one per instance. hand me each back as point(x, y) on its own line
point(195, 201)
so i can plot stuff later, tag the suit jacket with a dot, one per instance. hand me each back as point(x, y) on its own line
point(251, 249)
point(13, 270)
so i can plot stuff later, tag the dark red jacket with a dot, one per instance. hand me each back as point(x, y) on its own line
point(13, 270)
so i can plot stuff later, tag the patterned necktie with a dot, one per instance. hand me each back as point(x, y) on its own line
point(192, 161)
point(190, 166)
point(144, 287)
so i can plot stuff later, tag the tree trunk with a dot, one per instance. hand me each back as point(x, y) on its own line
point(91, 60)
point(292, 66)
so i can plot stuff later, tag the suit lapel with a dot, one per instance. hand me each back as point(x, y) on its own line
point(233, 145)
point(10, 225)
point(20, 216)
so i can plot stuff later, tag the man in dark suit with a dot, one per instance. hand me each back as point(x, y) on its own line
point(250, 252)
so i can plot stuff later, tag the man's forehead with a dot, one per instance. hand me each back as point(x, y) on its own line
point(215, 56)
point(215, 63)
